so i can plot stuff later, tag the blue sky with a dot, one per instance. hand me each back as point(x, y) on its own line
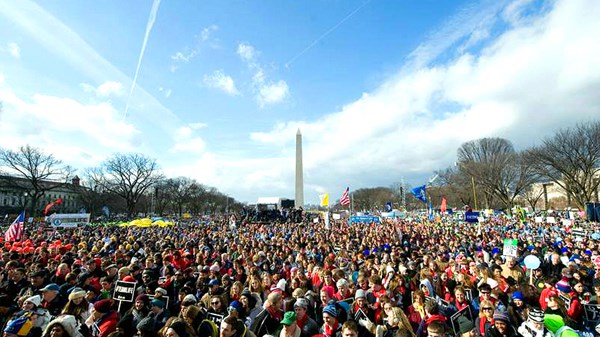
point(382, 90)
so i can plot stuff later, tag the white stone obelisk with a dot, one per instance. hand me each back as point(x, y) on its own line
point(299, 201)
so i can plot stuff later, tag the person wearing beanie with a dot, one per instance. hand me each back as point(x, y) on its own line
point(331, 325)
point(160, 314)
point(571, 312)
point(252, 306)
point(556, 325)
point(308, 326)
point(63, 326)
point(78, 305)
point(344, 291)
point(360, 303)
point(534, 325)
point(236, 309)
point(133, 316)
point(501, 326)
point(104, 317)
point(517, 310)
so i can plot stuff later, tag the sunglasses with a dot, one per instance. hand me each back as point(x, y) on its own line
point(215, 302)
point(487, 309)
point(484, 293)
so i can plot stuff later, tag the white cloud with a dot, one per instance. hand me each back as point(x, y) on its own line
point(193, 145)
point(187, 53)
point(246, 51)
point(106, 89)
point(166, 92)
point(14, 50)
point(541, 74)
point(65, 127)
point(272, 93)
point(186, 142)
point(266, 91)
point(208, 31)
point(110, 88)
point(221, 81)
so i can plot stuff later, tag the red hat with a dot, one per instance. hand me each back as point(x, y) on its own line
point(103, 306)
point(128, 278)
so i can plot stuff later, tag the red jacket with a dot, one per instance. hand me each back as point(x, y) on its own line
point(108, 323)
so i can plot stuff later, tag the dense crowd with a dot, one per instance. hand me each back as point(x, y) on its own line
point(399, 278)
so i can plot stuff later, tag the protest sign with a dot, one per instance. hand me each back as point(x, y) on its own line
point(124, 291)
point(510, 247)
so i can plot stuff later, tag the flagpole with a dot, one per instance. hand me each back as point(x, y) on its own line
point(24, 217)
point(351, 203)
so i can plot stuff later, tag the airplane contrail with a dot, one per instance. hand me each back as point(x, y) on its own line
point(149, 25)
point(312, 44)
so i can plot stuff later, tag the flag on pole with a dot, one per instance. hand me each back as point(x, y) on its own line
point(324, 199)
point(430, 212)
point(52, 204)
point(15, 231)
point(345, 199)
point(420, 193)
point(444, 205)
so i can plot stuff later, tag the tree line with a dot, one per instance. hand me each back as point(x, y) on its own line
point(124, 183)
point(492, 171)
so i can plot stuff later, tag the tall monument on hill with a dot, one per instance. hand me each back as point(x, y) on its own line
point(299, 200)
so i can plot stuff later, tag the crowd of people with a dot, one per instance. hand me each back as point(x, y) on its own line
point(411, 277)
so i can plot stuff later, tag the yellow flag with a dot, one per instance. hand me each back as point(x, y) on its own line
point(324, 199)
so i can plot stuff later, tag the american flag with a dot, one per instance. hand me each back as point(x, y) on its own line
point(345, 199)
point(15, 231)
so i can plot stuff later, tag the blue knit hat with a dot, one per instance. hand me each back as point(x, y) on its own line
point(563, 285)
point(517, 295)
point(330, 309)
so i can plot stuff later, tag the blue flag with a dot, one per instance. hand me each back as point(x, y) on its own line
point(419, 193)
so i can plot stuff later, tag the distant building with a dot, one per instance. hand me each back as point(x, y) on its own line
point(555, 197)
point(13, 199)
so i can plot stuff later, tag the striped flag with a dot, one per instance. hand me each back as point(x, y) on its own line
point(15, 231)
point(345, 199)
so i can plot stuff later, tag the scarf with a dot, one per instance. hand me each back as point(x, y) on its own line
point(275, 313)
point(330, 331)
point(482, 322)
point(302, 321)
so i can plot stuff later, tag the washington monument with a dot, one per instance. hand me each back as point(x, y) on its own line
point(299, 201)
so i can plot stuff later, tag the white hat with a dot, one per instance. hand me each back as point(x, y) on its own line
point(36, 300)
point(281, 284)
point(389, 269)
point(161, 290)
point(341, 283)
point(360, 294)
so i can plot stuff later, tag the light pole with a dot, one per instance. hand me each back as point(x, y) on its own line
point(25, 195)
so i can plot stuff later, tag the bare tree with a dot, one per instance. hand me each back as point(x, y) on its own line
point(532, 195)
point(128, 176)
point(372, 198)
point(571, 159)
point(493, 162)
point(33, 172)
point(181, 191)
